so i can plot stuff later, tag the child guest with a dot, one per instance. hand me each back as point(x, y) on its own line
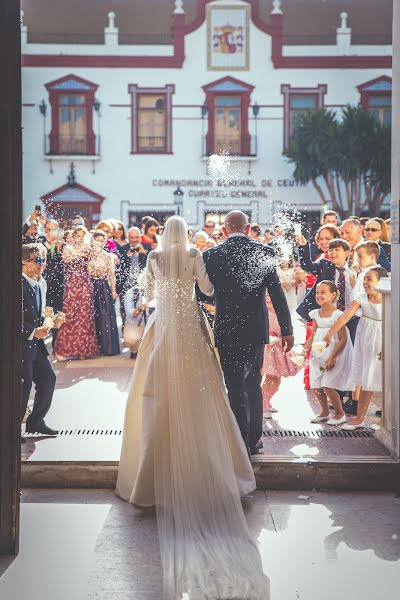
point(367, 355)
point(329, 366)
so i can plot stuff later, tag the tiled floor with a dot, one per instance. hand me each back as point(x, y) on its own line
point(91, 394)
point(89, 545)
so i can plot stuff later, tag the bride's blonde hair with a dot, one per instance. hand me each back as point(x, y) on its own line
point(175, 235)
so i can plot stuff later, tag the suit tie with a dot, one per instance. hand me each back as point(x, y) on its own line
point(38, 302)
point(341, 286)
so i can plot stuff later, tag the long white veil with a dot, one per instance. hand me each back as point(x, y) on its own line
point(205, 546)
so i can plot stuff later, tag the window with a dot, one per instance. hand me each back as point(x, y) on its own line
point(228, 124)
point(72, 125)
point(72, 101)
point(227, 102)
point(152, 123)
point(376, 97)
point(298, 101)
point(151, 119)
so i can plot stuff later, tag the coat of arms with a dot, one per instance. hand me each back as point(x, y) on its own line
point(228, 38)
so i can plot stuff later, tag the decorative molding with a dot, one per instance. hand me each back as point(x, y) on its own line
point(228, 86)
point(380, 87)
point(272, 27)
point(71, 84)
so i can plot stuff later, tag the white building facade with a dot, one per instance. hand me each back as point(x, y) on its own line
point(114, 129)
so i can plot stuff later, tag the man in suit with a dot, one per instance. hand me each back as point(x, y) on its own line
point(54, 272)
point(133, 261)
point(36, 367)
point(241, 270)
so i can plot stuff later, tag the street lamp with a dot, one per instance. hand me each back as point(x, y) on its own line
point(178, 200)
point(256, 110)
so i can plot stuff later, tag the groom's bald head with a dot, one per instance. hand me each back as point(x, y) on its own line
point(236, 222)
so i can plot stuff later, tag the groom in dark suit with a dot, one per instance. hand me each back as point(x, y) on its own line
point(241, 270)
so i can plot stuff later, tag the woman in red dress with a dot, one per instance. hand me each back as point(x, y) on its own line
point(149, 239)
point(77, 336)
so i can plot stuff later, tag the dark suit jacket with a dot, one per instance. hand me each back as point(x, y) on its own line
point(323, 270)
point(32, 318)
point(124, 268)
point(241, 270)
point(54, 276)
point(384, 256)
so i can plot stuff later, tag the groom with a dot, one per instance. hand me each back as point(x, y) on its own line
point(241, 270)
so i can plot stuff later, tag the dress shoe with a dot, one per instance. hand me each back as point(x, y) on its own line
point(337, 421)
point(349, 427)
point(42, 429)
point(259, 445)
point(254, 451)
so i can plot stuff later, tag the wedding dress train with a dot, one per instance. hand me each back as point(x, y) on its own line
point(182, 449)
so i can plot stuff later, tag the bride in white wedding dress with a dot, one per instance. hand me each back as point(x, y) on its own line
point(182, 450)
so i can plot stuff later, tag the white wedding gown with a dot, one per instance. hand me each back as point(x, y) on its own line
point(182, 449)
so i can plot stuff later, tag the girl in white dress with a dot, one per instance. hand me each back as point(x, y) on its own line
point(367, 355)
point(329, 365)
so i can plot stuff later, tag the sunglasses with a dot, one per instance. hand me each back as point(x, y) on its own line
point(371, 229)
point(38, 260)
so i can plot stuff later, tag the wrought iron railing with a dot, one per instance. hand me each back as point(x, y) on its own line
point(231, 146)
point(152, 144)
point(73, 145)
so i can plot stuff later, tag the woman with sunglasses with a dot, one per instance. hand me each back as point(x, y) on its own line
point(375, 231)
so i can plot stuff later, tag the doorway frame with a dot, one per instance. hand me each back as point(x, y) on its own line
point(10, 260)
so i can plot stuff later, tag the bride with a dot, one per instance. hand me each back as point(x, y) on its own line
point(182, 450)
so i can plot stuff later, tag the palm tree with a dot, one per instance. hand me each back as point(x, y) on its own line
point(346, 157)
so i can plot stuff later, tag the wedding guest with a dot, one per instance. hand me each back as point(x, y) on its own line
point(255, 232)
point(102, 271)
point(136, 319)
point(31, 233)
point(367, 255)
point(200, 240)
point(211, 243)
point(268, 236)
point(288, 278)
point(330, 366)
point(120, 237)
point(209, 227)
point(376, 231)
point(366, 368)
point(190, 235)
point(388, 229)
point(277, 362)
point(36, 366)
point(54, 273)
point(330, 217)
point(364, 221)
point(149, 239)
point(68, 236)
point(351, 232)
point(77, 221)
point(144, 221)
point(107, 228)
point(77, 337)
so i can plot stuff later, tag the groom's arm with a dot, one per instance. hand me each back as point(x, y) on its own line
point(199, 294)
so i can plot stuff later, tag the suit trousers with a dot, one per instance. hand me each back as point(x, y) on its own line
point(242, 372)
point(36, 368)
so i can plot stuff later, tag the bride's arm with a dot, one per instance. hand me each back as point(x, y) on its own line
point(200, 274)
point(149, 281)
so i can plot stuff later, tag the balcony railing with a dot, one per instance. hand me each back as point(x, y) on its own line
point(233, 147)
point(152, 144)
point(75, 145)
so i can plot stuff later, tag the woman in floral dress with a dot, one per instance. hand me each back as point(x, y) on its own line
point(77, 336)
